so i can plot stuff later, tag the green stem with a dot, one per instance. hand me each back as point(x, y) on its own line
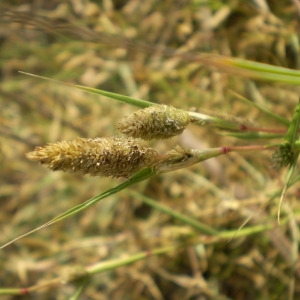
point(185, 219)
point(113, 264)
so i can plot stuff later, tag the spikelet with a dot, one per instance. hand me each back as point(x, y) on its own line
point(283, 156)
point(110, 156)
point(178, 155)
point(155, 122)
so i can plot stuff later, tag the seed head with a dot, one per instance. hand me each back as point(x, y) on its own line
point(282, 156)
point(155, 122)
point(110, 156)
point(178, 155)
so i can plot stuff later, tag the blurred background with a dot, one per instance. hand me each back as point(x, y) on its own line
point(81, 42)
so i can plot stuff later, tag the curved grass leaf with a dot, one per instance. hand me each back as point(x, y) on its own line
point(125, 99)
point(138, 177)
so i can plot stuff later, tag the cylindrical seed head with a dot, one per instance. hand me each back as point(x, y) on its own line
point(155, 122)
point(110, 156)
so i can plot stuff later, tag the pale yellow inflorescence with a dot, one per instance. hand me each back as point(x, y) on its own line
point(155, 122)
point(109, 156)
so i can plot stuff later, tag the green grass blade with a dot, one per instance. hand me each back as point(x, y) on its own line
point(264, 68)
point(115, 263)
point(181, 217)
point(288, 181)
point(292, 138)
point(293, 131)
point(81, 285)
point(138, 177)
point(118, 97)
point(263, 109)
point(259, 70)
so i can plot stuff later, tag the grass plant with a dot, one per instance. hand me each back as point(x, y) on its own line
point(194, 194)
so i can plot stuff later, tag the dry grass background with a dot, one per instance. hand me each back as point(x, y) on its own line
point(223, 192)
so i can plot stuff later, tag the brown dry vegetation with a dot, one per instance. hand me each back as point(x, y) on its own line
point(224, 193)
